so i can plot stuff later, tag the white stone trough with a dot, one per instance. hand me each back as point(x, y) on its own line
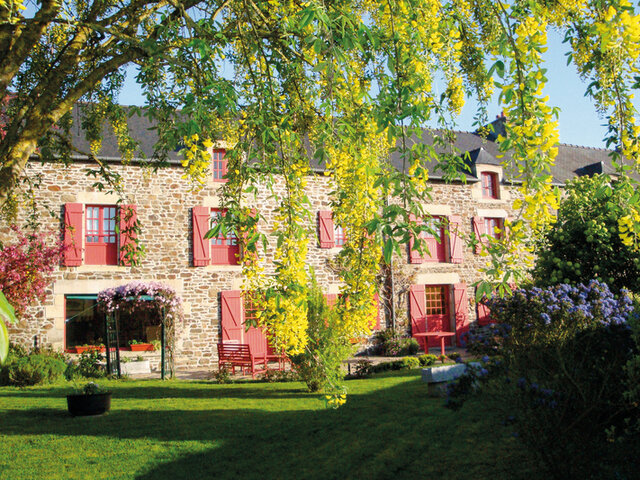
point(437, 377)
point(135, 368)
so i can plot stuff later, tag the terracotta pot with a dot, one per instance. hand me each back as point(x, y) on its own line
point(141, 347)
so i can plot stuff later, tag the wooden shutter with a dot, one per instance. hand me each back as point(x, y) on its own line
point(73, 213)
point(483, 313)
point(417, 309)
point(231, 317)
point(414, 255)
point(331, 298)
point(128, 215)
point(201, 245)
point(461, 305)
point(456, 252)
point(478, 229)
point(325, 229)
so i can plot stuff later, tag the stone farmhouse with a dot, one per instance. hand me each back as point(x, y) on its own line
point(205, 273)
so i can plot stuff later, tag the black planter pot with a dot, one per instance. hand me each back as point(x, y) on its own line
point(81, 404)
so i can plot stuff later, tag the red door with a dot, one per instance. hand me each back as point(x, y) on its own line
point(437, 312)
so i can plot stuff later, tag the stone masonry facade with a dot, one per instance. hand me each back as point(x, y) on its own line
point(164, 203)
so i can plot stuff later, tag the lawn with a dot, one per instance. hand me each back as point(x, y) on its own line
point(389, 429)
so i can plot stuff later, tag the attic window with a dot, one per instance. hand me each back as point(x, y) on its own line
point(489, 185)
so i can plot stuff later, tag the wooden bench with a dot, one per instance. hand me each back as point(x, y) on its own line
point(239, 355)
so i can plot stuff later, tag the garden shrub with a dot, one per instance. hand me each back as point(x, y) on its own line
point(388, 343)
point(320, 365)
point(89, 365)
point(32, 369)
point(560, 376)
point(410, 362)
point(427, 359)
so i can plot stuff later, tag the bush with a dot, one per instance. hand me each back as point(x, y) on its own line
point(89, 365)
point(388, 343)
point(410, 363)
point(32, 369)
point(561, 375)
point(427, 359)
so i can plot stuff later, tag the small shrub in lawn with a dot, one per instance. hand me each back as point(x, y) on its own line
point(410, 362)
point(410, 347)
point(427, 359)
point(222, 375)
point(280, 376)
point(32, 369)
point(363, 369)
point(388, 343)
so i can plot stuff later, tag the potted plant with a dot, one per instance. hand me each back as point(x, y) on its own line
point(91, 400)
point(137, 346)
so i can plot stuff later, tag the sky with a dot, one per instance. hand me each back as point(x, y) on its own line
point(578, 119)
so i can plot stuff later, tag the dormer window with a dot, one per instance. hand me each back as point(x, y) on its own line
point(489, 185)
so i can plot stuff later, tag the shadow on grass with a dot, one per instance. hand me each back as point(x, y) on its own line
point(385, 433)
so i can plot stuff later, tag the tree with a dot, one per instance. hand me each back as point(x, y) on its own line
point(585, 242)
point(344, 83)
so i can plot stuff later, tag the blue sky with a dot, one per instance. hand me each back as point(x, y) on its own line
point(579, 121)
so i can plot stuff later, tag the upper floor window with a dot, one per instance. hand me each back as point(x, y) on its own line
point(100, 235)
point(339, 236)
point(489, 185)
point(224, 247)
point(219, 165)
point(494, 227)
point(90, 234)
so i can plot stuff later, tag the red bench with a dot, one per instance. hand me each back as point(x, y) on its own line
point(239, 355)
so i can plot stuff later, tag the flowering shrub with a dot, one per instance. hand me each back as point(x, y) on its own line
point(26, 267)
point(555, 365)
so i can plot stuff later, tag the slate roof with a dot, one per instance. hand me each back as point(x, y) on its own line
point(572, 160)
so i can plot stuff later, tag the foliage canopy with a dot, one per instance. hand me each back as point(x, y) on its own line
point(290, 83)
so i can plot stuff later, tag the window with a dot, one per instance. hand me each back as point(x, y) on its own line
point(436, 300)
point(494, 227)
point(489, 185)
point(224, 248)
point(434, 241)
point(90, 235)
point(338, 235)
point(219, 165)
point(84, 324)
point(101, 247)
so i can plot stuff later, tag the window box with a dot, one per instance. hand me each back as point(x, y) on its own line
point(141, 347)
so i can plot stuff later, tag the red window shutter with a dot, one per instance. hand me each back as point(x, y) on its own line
point(478, 229)
point(456, 251)
point(417, 309)
point(484, 314)
point(325, 229)
point(201, 246)
point(128, 215)
point(414, 255)
point(461, 304)
point(231, 317)
point(73, 213)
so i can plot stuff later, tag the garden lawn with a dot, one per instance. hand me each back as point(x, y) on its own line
point(389, 429)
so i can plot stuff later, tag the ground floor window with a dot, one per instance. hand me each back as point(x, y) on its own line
point(84, 324)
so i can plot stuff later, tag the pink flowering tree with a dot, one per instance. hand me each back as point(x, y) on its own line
point(155, 297)
point(25, 272)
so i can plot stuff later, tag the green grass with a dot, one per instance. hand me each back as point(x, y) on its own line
point(389, 429)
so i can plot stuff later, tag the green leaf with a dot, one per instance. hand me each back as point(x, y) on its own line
point(388, 250)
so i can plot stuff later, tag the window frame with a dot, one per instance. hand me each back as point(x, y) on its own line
point(219, 165)
point(108, 249)
point(229, 243)
point(490, 185)
point(490, 224)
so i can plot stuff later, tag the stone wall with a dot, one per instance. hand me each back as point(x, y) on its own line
point(164, 201)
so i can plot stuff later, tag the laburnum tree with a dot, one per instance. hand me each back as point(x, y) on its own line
point(290, 84)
